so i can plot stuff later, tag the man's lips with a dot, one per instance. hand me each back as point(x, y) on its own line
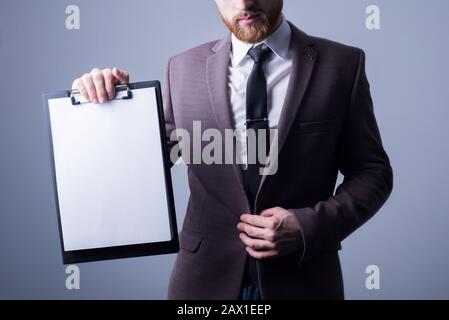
point(249, 19)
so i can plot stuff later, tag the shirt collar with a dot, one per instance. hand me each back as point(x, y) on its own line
point(278, 41)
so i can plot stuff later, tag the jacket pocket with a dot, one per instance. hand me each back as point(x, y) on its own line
point(310, 127)
point(189, 240)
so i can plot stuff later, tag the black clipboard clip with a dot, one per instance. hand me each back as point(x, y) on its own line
point(122, 92)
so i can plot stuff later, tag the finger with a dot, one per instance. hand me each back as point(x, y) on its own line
point(256, 244)
point(82, 89)
point(90, 87)
point(121, 75)
point(256, 232)
point(262, 255)
point(75, 84)
point(109, 82)
point(100, 88)
point(257, 221)
point(78, 85)
point(252, 231)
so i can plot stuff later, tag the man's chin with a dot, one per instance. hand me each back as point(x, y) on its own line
point(251, 30)
point(250, 34)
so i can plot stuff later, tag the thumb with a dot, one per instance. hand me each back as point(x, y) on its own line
point(267, 213)
point(121, 75)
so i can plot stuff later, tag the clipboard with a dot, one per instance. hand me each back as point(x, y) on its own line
point(111, 175)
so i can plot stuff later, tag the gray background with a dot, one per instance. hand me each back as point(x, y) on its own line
point(407, 66)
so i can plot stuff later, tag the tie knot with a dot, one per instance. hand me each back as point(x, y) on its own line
point(259, 53)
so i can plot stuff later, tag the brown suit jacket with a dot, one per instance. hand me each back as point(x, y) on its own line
point(327, 124)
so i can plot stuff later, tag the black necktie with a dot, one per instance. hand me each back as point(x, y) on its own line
point(256, 119)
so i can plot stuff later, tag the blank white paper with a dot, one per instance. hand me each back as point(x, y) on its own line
point(109, 172)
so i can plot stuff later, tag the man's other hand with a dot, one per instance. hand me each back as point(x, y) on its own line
point(273, 233)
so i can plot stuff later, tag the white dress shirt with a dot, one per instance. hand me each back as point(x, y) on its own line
point(277, 72)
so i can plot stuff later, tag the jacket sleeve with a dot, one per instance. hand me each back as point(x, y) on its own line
point(170, 124)
point(368, 176)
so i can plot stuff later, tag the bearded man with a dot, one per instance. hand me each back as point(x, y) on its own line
point(249, 235)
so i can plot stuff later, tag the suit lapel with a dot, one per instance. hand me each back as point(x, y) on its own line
point(217, 81)
point(303, 63)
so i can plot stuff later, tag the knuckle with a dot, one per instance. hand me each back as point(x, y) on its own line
point(271, 236)
point(86, 77)
point(97, 76)
point(108, 76)
point(89, 86)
